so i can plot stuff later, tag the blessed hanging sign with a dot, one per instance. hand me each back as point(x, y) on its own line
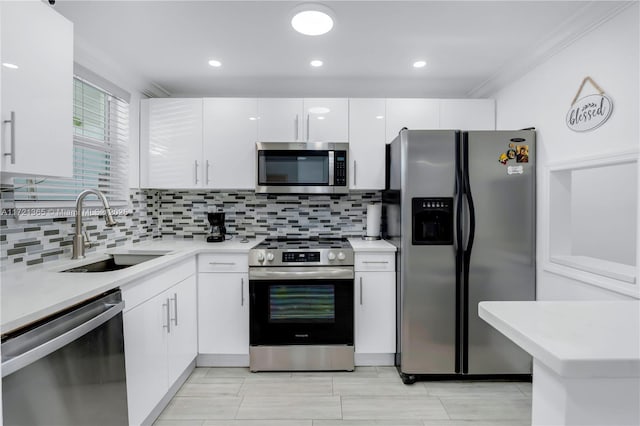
point(589, 112)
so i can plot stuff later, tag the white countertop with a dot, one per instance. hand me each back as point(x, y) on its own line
point(35, 292)
point(575, 339)
point(359, 244)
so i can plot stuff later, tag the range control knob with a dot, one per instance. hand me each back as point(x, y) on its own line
point(269, 257)
point(260, 257)
point(341, 256)
point(331, 255)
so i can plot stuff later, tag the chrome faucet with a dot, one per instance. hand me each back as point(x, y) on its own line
point(80, 240)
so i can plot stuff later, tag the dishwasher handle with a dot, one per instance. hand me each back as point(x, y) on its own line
point(50, 345)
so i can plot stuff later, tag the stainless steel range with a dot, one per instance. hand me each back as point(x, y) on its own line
point(301, 305)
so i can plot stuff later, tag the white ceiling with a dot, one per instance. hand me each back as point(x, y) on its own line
point(368, 53)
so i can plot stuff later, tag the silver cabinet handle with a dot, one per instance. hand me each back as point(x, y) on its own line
point(206, 172)
point(195, 168)
point(12, 120)
point(384, 262)
point(175, 308)
point(308, 127)
point(241, 291)
point(222, 263)
point(296, 123)
point(355, 175)
point(361, 291)
point(51, 345)
point(168, 325)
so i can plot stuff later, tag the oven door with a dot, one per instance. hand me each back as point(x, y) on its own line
point(301, 306)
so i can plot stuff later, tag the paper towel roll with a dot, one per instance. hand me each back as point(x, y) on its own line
point(374, 214)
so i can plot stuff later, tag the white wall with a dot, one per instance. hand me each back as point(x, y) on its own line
point(542, 97)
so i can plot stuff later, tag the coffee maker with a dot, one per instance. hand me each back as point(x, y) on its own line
point(217, 232)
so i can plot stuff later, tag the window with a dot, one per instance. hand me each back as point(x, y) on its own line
point(100, 153)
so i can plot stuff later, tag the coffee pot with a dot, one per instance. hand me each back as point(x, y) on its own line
point(217, 231)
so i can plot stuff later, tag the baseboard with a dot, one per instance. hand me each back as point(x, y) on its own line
point(362, 360)
point(153, 416)
point(222, 360)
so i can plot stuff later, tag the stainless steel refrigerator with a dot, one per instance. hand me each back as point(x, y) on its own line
point(460, 208)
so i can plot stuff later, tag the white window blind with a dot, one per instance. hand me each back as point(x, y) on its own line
point(100, 154)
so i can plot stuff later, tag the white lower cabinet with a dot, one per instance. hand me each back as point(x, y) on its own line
point(375, 310)
point(223, 318)
point(160, 338)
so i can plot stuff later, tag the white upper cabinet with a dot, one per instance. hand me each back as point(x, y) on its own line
point(171, 143)
point(367, 143)
point(303, 120)
point(326, 120)
point(230, 135)
point(468, 114)
point(280, 120)
point(414, 114)
point(37, 92)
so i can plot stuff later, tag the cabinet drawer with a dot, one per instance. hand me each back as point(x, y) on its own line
point(375, 262)
point(223, 262)
point(142, 290)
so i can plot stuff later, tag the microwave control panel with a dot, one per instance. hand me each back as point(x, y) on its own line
point(340, 168)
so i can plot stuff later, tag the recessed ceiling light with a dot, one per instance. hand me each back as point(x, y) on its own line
point(316, 63)
point(420, 64)
point(215, 63)
point(321, 117)
point(379, 117)
point(312, 19)
point(253, 118)
point(8, 65)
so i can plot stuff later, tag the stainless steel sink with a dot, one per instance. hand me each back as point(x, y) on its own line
point(120, 260)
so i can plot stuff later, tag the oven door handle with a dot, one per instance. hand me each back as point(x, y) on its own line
point(301, 273)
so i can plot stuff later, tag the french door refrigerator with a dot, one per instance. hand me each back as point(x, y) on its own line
point(460, 208)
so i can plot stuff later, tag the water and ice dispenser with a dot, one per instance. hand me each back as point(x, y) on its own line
point(432, 221)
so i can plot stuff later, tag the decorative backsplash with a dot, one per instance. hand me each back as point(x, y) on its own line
point(30, 242)
point(182, 214)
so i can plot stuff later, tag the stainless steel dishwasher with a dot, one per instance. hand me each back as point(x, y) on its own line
point(68, 369)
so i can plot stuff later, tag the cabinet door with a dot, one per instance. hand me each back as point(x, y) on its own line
point(183, 335)
point(367, 143)
point(171, 143)
point(326, 120)
point(468, 114)
point(414, 114)
point(223, 313)
point(39, 93)
point(230, 135)
point(280, 120)
point(145, 346)
point(375, 311)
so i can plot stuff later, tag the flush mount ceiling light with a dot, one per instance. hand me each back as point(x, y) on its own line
point(420, 64)
point(316, 63)
point(11, 66)
point(215, 63)
point(312, 19)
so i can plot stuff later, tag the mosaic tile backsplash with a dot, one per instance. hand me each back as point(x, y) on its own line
point(182, 214)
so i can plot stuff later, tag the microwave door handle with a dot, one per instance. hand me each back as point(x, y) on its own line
point(331, 167)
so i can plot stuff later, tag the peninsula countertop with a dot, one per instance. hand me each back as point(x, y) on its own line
point(581, 339)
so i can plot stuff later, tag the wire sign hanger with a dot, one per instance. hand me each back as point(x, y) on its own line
point(591, 111)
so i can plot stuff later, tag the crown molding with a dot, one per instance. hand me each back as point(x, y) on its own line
point(586, 19)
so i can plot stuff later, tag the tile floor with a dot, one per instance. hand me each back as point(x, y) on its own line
point(368, 396)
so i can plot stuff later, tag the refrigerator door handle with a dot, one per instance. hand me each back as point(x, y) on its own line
point(469, 197)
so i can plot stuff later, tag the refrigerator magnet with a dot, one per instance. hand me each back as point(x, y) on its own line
point(515, 170)
point(503, 158)
point(522, 153)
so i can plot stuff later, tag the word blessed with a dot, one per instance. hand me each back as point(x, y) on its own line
point(589, 113)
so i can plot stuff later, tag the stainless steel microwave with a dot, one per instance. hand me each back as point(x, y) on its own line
point(302, 168)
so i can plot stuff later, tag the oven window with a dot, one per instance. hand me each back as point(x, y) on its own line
point(293, 168)
point(302, 303)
